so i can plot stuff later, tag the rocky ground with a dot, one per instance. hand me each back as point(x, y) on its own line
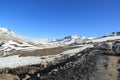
point(93, 64)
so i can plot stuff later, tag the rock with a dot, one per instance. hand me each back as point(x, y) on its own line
point(54, 70)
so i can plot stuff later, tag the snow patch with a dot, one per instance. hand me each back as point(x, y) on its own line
point(106, 39)
point(16, 61)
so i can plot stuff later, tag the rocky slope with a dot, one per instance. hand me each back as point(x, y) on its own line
point(90, 64)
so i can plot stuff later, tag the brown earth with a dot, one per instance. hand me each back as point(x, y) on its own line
point(43, 52)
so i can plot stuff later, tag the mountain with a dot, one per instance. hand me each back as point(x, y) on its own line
point(114, 34)
point(11, 42)
point(66, 41)
point(72, 40)
point(6, 34)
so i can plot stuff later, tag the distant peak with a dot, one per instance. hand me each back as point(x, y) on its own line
point(73, 37)
point(5, 30)
point(8, 32)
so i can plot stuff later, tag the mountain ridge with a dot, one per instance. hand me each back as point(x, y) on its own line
point(10, 35)
point(10, 41)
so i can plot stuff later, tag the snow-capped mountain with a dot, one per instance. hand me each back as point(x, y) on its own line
point(6, 34)
point(114, 34)
point(72, 40)
point(66, 41)
point(10, 41)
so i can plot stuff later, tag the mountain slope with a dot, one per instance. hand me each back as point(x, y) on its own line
point(6, 34)
point(11, 42)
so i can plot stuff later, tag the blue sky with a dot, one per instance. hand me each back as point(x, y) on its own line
point(59, 18)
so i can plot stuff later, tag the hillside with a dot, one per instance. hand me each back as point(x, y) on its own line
point(89, 64)
point(70, 58)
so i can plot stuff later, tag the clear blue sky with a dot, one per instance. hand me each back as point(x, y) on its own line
point(59, 18)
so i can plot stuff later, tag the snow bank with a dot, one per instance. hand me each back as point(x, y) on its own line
point(106, 38)
point(16, 61)
point(76, 50)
